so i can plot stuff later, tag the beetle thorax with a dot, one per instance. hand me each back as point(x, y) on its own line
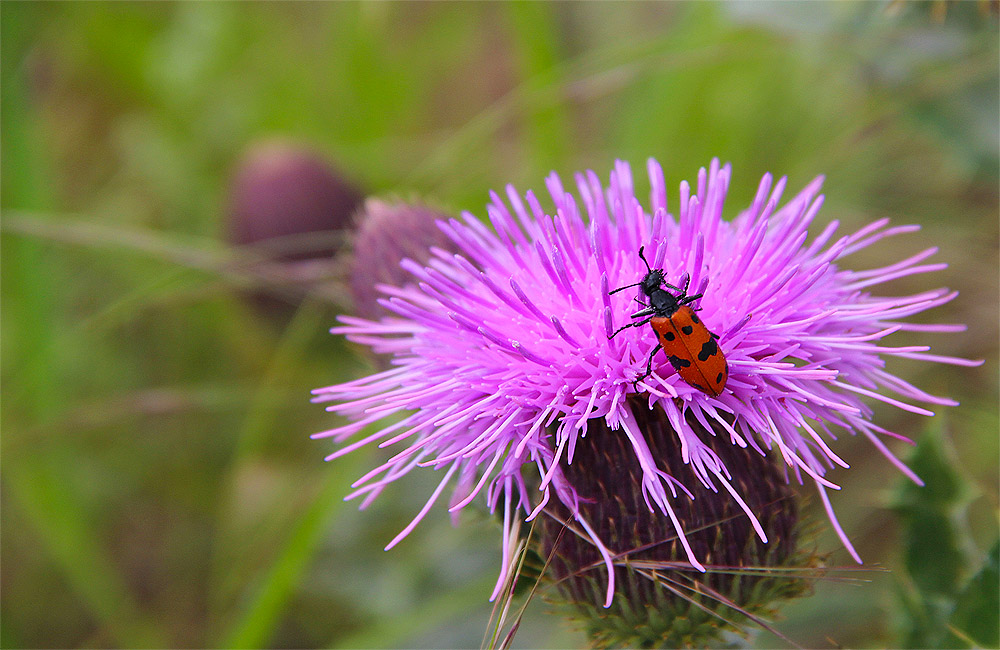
point(663, 302)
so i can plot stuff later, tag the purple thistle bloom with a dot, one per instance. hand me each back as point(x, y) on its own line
point(502, 354)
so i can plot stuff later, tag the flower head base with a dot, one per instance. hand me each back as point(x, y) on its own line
point(661, 601)
point(502, 357)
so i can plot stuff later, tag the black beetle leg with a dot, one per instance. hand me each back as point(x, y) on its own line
point(649, 367)
point(636, 324)
point(690, 299)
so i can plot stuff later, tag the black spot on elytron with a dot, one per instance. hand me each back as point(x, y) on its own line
point(718, 379)
point(669, 336)
point(687, 329)
point(709, 349)
point(677, 362)
point(714, 335)
point(698, 386)
point(694, 317)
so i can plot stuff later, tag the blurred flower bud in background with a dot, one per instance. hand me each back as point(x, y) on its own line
point(291, 211)
point(387, 233)
point(281, 190)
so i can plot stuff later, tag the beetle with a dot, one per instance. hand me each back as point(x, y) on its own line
point(691, 348)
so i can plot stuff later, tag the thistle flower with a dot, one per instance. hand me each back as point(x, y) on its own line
point(502, 357)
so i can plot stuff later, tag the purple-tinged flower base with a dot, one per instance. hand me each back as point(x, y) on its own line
point(502, 356)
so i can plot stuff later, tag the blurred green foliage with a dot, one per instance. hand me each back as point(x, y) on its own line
point(940, 558)
point(159, 486)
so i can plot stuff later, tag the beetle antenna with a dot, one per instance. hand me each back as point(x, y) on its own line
point(643, 258)
point(634, 284)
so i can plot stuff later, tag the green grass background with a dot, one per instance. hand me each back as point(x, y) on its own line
point(159, 485)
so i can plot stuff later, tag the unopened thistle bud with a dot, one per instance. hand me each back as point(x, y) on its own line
point(290, 211)
point(284, 191)
point(388, 233)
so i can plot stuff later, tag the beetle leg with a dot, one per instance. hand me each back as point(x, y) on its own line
point(626, 326)
point(649, 367)
point(623, 327)
point(690, 299)
point(682, 292)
